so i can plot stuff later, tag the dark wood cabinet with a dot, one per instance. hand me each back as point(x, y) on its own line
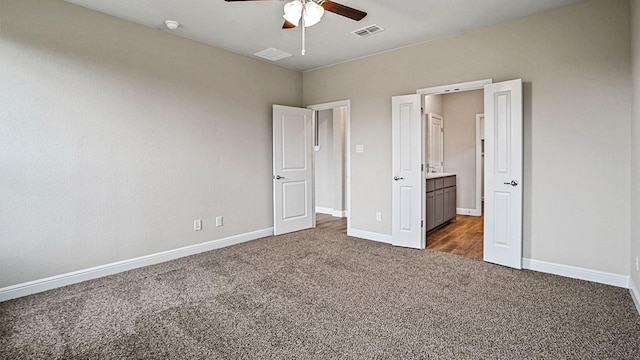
point(441, 201)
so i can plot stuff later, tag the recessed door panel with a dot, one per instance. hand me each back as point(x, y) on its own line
point(503, 131)
point(502, 219)
point(294, 145)
point(292, 192)
point(406, 200)
point(405, 133)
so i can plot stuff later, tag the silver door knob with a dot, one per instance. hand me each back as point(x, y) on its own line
point(512, 183)
point(278, 177)
point(397, 178)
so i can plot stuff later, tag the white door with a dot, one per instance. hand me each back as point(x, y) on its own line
point(435, 142)
point(292, 169)
point(503, 173)
point(408, 191)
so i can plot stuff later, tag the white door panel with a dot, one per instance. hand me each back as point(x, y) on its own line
point(292, 169)
point(408, 196)
point(503, 173)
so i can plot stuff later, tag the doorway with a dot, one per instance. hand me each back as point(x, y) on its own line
point(454, 152)
point(503, 109)
point(332, 164)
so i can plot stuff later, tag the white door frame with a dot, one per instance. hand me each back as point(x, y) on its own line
point(347, 135)
point(479, 167)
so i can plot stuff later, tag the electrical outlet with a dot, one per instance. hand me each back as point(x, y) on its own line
point(378, 216)
point(218, 221)
point(197, 225)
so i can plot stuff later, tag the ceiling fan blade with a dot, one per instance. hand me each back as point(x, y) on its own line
point(288, 25)
point(343, 10)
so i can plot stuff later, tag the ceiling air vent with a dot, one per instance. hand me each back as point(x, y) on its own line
point(369, 30)
point(272, 54)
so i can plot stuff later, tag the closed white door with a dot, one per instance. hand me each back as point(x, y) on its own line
point(292, 169)
point(503, 173)
point(408, 189)
point(435, 142)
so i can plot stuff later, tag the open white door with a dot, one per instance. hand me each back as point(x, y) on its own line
point(292, 169)
point(503, 173)
point(408, 193)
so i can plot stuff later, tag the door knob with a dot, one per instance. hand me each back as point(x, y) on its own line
point(397, 178)
point(278, 177)
point(512, 183)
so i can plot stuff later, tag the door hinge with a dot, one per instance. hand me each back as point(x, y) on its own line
point(421, 111)
point(421, 223)
point(422, 167)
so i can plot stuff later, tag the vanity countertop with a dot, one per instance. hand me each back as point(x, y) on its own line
point(438, 175)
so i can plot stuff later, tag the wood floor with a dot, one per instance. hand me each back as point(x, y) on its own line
point(324, 221)
point(463, 237)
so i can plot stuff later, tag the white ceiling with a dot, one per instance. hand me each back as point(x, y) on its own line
point(249, 27)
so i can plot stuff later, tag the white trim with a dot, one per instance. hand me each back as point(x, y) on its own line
point(332, 212)
point(347, 135)
point(577, 273)
point(479, 170)
point(635, 294)
point(463, 211)
point(445, 89)
point(367, 235)
point(36, 286)
point(324, 210)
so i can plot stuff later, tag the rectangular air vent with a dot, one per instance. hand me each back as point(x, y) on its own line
point(272, 54)
point(366, 31)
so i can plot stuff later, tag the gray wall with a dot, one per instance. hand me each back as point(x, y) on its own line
point(459, 112)
point(115, 137)
point(575, 64)
point(330, 160)
point(635, 149)
point(433, 104)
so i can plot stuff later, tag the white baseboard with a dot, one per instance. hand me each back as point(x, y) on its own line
point(463, 211)
point(370, 236)
point(332, 212)
point(577, 273)
point(36, 286)
point(635, 294)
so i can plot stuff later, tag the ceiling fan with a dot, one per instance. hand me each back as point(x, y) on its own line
point(309, 12)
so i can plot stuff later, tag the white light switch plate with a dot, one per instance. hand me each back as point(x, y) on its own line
point(359, 148)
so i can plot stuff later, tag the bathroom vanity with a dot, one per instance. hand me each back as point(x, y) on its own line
point(441, 199)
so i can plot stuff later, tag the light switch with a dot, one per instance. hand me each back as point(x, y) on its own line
point(359, 148)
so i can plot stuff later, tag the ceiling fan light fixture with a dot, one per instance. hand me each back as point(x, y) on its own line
point(293, 12)
point(312, 13)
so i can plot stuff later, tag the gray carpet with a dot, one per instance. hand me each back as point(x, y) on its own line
point(320, 295)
